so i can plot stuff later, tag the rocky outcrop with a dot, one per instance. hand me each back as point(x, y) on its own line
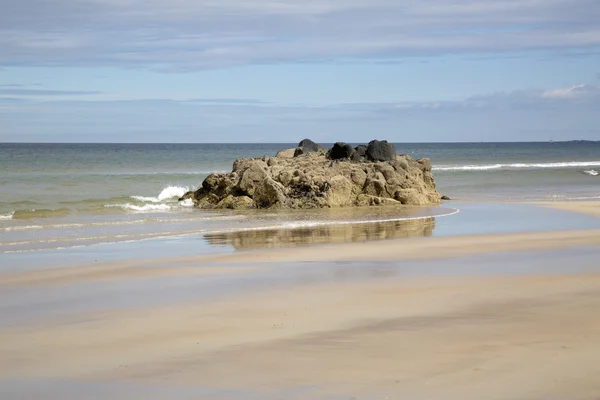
point(342, 177)
point(307, 146)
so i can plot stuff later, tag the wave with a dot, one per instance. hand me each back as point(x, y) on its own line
point(40, 213)
point(516, 166)
point(144, 208)
point(591, 172)
point(6, 216)
point(562, 197)
point(167, 193)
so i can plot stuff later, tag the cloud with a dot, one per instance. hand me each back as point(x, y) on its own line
point(530, 99)
point(228, 101)
point(42, 92)
point(191, 34)
point(501, 116)
point(572, 93)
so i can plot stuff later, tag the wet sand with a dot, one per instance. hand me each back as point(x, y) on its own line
point(586, 207)
point(400, 318)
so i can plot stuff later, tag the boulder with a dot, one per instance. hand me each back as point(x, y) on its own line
point(340, 178)
point(307, 146)
point(269, 193)
point(286, 153)
point(340, 151)
point(339, 192)
point(380, 150)
point(361, 150)
point(251, 177)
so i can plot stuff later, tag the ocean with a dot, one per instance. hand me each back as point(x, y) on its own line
point(56, 196)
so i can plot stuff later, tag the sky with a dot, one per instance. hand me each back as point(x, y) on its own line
point(189, 71)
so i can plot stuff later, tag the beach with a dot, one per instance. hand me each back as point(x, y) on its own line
point(490, 315)
point(300, 200)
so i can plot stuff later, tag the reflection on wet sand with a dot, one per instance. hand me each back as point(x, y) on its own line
point(344, 233)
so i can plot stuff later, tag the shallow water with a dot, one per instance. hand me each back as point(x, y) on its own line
point(56, 196)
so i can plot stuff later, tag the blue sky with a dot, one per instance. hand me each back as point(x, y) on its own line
point(282, 70)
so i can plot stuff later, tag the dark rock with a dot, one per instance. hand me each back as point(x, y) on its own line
point(381, 150)
point(361, 150)
point(445, 198)
point(355, 157)
point(340, 151)
point(187, 195)
point(307, 146)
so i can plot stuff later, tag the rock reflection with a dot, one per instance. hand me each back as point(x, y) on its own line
point(358, 232)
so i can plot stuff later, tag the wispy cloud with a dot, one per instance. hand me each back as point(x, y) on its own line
point(227, 101)
point(42, 92)
point(573, 93)
point(499, 116)
point(192, 34)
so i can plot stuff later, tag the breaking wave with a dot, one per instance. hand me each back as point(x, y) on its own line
point(6, 216)
point(143, 208)
point(517, 166)
point(591, 172)
point(167, 193)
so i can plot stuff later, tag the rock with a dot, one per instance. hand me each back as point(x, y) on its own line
point(361, 150)
point(339, 192)
point(307, 146)
point(369, 200)
point(219, 185)
point(269, 193)
point(410, 196)
point(380, 150)
point(187, 195)
point(340, 151)
point(236, 202)
point(286, 153)
point(251, 176)
point(445, 198)
point(315, 180)
point(355, 157)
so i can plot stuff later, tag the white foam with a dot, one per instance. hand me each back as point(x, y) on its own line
point(187, 203)
point(167, 193)
point(6, 216)
point(145, 207)
point(516, 166)
point(591, 172)
point(145, 198)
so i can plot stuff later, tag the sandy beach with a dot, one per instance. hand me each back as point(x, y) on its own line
point(585, 207)
point(502, 316)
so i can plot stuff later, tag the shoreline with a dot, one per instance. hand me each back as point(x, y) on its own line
point(588, 207)
point(462, 219)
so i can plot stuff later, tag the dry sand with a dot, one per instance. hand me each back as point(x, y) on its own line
point(444, 337)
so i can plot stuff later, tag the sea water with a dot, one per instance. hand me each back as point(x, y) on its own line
point(68, 195)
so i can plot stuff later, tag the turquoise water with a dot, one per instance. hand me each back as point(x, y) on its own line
point(55, 195)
